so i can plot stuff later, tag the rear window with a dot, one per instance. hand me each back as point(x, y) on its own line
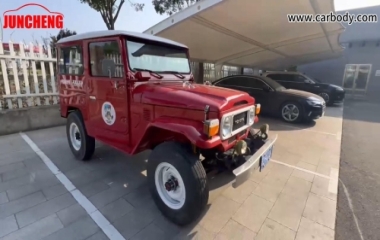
point(70, 60)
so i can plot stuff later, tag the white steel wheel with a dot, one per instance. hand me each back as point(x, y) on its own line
point(75, 137)
point(325, 96)
point(290, 112)
point(170, 186)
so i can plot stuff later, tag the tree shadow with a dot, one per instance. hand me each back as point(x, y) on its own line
point(278, 125)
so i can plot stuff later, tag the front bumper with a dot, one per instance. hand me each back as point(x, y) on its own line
point(338, 97)
point(314, 112)
point(252, 162)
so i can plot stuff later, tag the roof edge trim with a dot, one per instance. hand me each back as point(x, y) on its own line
point(182, 15)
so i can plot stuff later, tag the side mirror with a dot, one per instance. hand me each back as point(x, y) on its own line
point(266, 88)
point(142, 76)
point(308, 81)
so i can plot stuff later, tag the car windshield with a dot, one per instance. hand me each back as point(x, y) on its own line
point(314, 80)
point(157, 58)
point(273, 84)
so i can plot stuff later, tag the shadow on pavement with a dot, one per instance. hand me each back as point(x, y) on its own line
point(362, 110)
point(278, 125)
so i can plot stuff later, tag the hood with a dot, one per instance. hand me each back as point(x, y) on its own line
point(339, 88)
point(328, 85)
point(302, 94)
point(191, 96)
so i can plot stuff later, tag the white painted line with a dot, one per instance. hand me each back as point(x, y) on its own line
point(306, 129)
point(339, 136)
point(301, 169)
point(352, 210)
point(333, 183)
point(94, 213)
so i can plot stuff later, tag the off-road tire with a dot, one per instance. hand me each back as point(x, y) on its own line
point(193, 175)
point(87, 147)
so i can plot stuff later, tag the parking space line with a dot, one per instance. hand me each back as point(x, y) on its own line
point(108, 229)
point(339, 136)
point(309, 130)
point(333, 183)
point(301, 169)
point(352, 209)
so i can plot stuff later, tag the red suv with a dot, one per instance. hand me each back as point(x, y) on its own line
point(135, 92)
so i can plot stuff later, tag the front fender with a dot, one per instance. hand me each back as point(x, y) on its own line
point(188, 128)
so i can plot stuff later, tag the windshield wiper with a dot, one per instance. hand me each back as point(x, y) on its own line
point(175, 73)
point(150, 71)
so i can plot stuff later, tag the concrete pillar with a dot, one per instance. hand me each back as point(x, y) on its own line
point(256, 71)
point(201, 73)
point(218, 71)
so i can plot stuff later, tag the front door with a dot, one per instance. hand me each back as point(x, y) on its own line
point(356, 77)
point(255, 88)
point(108, 101)
point(300, 82)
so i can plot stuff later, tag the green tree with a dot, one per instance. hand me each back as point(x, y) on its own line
point(61, 34)
point(110, 9)
point(171, 6)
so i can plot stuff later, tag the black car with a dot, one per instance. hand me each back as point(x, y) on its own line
point(294, 80)
point(291, 105)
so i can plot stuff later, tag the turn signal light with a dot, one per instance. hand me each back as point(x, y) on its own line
point(258, 108)
point(211, 127)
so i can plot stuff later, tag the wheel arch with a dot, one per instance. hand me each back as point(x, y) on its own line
point(67, 110)
point(166, 129)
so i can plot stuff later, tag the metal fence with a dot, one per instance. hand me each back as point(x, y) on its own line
point(27, 74)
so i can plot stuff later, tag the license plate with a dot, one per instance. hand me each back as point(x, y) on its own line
point(266, 157)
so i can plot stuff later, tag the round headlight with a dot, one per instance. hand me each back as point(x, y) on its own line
point(251, 115)
point(226, 127)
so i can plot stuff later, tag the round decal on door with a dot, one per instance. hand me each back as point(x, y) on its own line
point(108, 113)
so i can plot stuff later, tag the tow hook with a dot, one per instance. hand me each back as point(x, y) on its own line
point(262, 133)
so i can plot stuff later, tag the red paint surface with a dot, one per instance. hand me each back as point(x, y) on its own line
point(147, 113)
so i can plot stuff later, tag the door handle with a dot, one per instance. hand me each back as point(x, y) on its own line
point(92, 97)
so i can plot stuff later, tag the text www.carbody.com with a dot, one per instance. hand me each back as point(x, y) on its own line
point(332, 17)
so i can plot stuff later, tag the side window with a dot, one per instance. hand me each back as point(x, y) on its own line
point(277, 77)
point(70, 60)
point(285, 77)
point(299, 78)
point(255, 83)
point(105, 59)
point(227, 82)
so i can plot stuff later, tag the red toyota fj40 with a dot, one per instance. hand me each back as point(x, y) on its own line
point(135, 92)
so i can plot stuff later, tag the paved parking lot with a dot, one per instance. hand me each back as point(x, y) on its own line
point(358, 211)
point(293, 198)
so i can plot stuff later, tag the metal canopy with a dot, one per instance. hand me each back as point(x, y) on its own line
point(253, 33)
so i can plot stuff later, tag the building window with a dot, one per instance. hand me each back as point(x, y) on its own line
point(71, 60)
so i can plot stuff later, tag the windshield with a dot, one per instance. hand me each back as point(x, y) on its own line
point(314, 80)
point(157, 58)
point(273, 84)
point(306, 79)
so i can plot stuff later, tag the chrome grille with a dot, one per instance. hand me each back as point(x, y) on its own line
point(239, 120)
